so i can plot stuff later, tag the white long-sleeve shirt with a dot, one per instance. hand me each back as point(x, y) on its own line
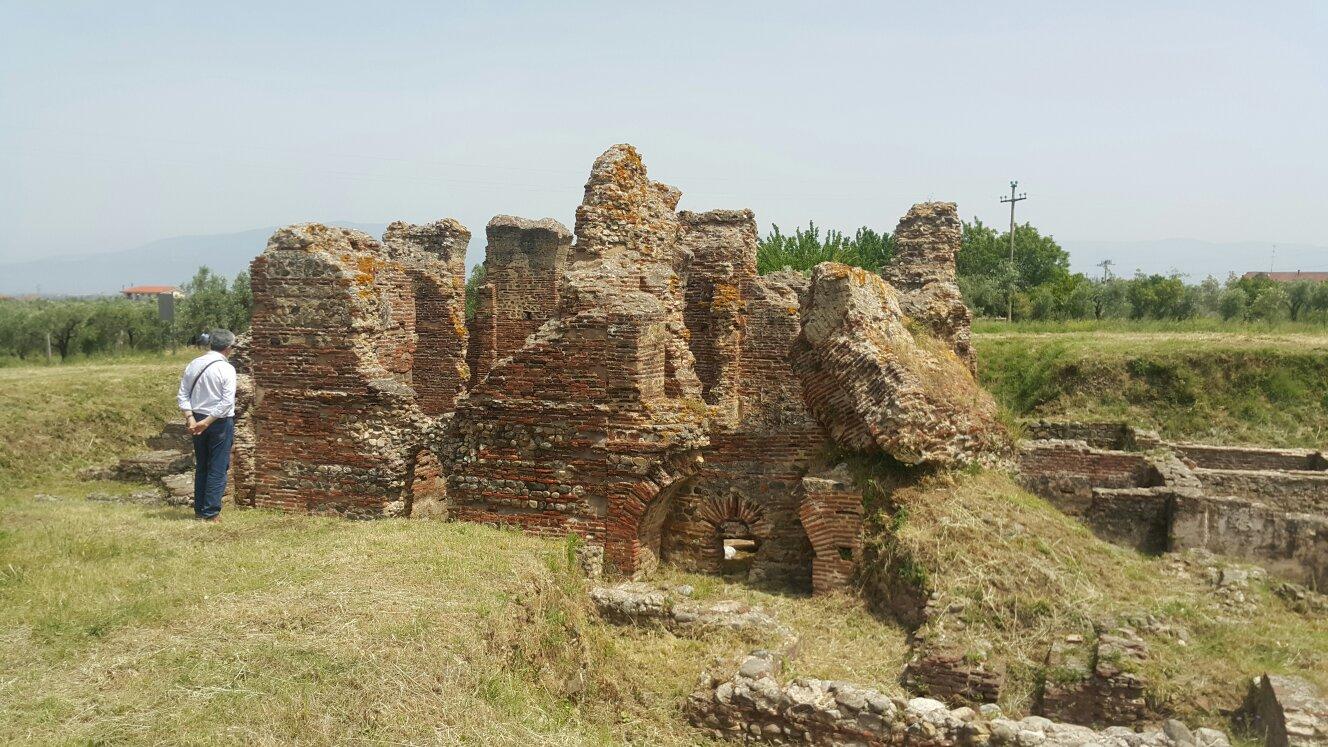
point(215, 393)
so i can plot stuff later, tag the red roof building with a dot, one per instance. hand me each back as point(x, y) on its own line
point(146, 292)
point(1289, 277)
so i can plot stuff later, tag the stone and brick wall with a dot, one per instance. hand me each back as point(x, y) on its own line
point(1268, 506)
point(333, 344)
point(1065, 472)
point(523, 266)
point(642, 387)
point(1205, 456)
point(1302, 492)
point(1292, 545)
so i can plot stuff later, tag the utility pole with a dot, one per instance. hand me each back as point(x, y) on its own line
point(1106, 268)
point(1012, 199)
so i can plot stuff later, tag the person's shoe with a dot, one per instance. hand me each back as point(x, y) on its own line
point(213, 519)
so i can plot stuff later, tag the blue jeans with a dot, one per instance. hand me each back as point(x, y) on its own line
point(212, 457)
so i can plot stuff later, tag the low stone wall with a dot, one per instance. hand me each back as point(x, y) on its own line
point(751, 705)
point(1113, 436)
point(1305, 492)
point(1246, 458)
point(1291, 545)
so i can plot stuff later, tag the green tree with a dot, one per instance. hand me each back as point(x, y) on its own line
point(210, 302)
point(1300, 298)
point(985, 253)
point(1235, 304)
point(1271, 304)
point(473, 290)
point(1320, 300)
point(807, 248)
point(62, 320)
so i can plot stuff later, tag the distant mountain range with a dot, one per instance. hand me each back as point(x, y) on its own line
point(164, 262)
point(173, 261)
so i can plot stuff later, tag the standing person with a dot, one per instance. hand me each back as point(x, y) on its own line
point(207, 399)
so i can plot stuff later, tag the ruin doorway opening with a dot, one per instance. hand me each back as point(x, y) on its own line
point(738, 546)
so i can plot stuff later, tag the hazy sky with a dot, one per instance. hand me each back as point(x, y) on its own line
point(124, 122)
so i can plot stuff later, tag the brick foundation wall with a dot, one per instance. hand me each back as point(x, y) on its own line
point(1065, 472)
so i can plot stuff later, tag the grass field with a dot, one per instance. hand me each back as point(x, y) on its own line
point(1250, 386)
point(124, 623)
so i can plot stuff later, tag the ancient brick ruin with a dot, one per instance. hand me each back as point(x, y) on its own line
point(1268, 506)
point(641, 386)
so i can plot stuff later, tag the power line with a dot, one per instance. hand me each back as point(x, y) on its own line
point(1012, 199)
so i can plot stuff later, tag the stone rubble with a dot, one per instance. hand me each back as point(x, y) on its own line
point(1286, 712)
point(750, 704)
point(640, 604)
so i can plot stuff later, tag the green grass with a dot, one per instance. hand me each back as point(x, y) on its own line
point(56, 419)
point(1268, 388)
point(128, 624)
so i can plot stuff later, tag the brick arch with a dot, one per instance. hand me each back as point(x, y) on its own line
point(720, 510)
point(637, 515)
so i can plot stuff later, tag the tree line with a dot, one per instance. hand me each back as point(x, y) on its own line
point(93, 326)
point(1038, 284)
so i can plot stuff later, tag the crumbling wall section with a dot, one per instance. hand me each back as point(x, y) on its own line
point(524, 262)
point(923, 271)
point(586, 426)
point(333, 343)
point(433, 258)
point(832, 512)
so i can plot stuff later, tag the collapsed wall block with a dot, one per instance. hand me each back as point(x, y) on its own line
point(333, 347)
point(524, 262)
point(878, 388)
point(923, 271)
point(598, 414)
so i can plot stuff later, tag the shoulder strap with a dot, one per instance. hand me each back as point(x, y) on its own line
point(200, 375)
